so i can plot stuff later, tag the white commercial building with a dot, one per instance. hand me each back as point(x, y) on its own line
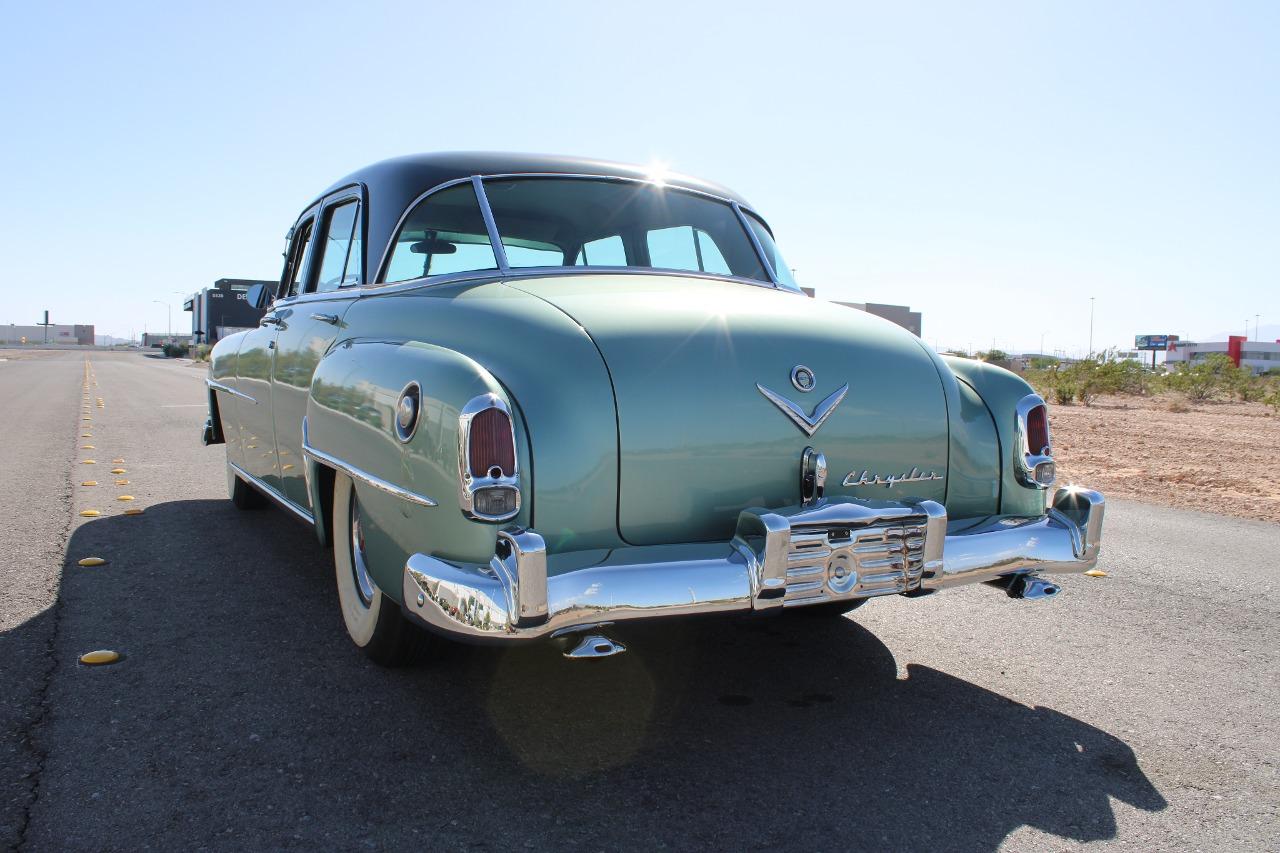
point(1258, 356)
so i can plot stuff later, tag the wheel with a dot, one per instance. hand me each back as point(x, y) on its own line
point(373, 620)
point(243, 495)
point(830, 609)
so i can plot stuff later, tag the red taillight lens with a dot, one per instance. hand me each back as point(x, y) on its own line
point(493, 446)
point(1038, 432)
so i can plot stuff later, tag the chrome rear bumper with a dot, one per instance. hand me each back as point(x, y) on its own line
point(837, 550)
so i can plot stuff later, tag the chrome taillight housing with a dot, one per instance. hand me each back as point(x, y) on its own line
point(1033, 453)
point(489, 472)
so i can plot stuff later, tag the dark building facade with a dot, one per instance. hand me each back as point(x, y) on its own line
point(223, 309)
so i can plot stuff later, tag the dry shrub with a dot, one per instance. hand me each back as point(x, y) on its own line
point(1178, 405)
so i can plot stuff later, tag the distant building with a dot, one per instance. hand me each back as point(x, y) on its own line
point(1258, 356)
point(159, 339)
point(223, 309)
point(900, 314)
point(55, 334)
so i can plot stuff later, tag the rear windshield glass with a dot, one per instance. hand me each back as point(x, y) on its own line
point(582, 222)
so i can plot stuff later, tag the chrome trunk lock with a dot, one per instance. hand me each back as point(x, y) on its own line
point(813, 476)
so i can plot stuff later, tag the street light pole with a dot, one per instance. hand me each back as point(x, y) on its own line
point(1091, 327)
point(168, 333)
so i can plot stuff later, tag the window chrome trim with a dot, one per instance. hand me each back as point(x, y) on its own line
point(504, 270)
point(486, 213)
point(755, 241)
point(273, 494)
point(395, 232)
point(368, 479)
point(218, 386)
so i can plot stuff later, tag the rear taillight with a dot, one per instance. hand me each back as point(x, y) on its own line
point(1038, 432)
point(1033, 461)
point(493, 448)
point(487, 450)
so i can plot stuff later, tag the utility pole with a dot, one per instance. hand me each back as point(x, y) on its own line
point(1091, 327)
point(168, 333)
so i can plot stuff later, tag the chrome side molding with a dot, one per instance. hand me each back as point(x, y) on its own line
point(218, 386)
point(363, 476)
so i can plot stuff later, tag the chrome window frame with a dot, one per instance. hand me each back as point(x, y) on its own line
point(505, 270)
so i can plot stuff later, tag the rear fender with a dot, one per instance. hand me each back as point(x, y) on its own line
point(351, 417)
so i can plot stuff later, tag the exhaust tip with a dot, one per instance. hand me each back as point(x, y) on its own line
point(1032, 588)
point(594, 646)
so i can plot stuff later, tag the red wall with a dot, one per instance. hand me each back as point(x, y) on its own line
point(1235, 343)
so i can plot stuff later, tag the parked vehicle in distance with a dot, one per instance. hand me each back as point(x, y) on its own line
point(530, 397)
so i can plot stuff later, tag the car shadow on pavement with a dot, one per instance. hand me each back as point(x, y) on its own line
point(241, 715)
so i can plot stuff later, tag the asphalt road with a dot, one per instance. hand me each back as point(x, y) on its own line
point(1138, 710)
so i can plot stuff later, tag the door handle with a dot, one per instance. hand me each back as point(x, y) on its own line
point(331, 319)
point(271, 320)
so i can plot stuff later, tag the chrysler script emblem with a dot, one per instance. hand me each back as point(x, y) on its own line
point(809, 424)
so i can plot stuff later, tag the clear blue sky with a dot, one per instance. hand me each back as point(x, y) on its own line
point(993, 165)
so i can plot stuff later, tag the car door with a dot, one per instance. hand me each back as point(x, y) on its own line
point(256, 363)
point(309, 323)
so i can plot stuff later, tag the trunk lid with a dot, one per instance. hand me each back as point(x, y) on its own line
point(699, 441)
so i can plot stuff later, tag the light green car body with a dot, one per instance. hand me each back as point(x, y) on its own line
point(637, 413)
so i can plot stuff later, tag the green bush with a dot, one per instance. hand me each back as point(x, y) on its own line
point(1205, 380)
point(175, 350)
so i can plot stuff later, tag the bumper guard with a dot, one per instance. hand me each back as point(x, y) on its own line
point(836, 550)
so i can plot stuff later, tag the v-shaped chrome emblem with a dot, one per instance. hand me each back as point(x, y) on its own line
point(809, 424)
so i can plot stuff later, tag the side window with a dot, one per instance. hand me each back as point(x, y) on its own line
point(605, 252)
point(445, 233)
point(295, 273)
point(340, 249)
point(685, 248)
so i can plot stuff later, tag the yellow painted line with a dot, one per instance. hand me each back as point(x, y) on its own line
point(133, 512)
point(1096, 573)
point(87, 447)
point(89, 562)
point(86, 435)
point(88, 462)
point(89, 483)
point(122, 482)
point(90, 513)
point(99, 657)
point(124, 497)
point(119, 471)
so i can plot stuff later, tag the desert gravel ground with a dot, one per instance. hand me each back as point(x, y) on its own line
point(1216, 457)
point(1135, 711)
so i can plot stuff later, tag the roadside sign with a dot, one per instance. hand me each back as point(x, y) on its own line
point(1153, 342)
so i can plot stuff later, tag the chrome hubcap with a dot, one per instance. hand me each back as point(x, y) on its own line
point(359, 568)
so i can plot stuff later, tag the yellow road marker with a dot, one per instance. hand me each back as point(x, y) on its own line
point(100, 657)
point(133, 512)
point(285, 467)
point(89, 483)
point(122, 482)
point(117, 461)
point(119, 471)
point(1096, 573)
point(86, 418)
point(88, 461)
point(124, 497)
point(89, 513)
point(87, 447)
point(89, 562)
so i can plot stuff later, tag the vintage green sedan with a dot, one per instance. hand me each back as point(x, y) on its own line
point(529, 398)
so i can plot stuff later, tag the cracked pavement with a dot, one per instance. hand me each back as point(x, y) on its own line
point(1132, 711)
